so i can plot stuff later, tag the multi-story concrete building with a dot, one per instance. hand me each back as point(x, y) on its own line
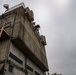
point(22, 48)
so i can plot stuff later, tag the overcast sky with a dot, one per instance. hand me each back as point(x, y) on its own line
point(57, 19)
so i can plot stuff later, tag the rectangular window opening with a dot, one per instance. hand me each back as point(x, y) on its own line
point(29, 68)
point(37, 73)
point(16, 58)
point(10, 69)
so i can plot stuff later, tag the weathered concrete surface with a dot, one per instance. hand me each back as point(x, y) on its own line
point(17, 24)
point(3, 51)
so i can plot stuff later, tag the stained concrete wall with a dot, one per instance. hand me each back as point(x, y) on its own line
point(26, 33)
point(3, 49)
point(21, 56)
point(34, 67)
point(3, 52)
point(18, 54)
point(17, 72)
point(22, 28)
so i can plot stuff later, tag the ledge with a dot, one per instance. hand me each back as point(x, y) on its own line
point(22, 46)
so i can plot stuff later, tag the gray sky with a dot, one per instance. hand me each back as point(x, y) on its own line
point(57, 19)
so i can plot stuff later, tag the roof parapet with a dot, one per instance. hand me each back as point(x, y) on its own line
point(15, 7)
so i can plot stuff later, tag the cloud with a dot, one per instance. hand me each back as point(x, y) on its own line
point(62, 41)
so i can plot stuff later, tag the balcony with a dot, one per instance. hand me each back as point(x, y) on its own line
point(17, 41)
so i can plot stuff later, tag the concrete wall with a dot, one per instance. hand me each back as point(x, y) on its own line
point(26, 33)
point(23, 29)
point(17, 72)
point(21, 56)
point(18, 54)
point(3, 49)
point(34, 67)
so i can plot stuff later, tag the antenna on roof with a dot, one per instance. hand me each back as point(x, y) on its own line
point(6, 6)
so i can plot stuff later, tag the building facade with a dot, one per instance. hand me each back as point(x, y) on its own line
point(22, 48)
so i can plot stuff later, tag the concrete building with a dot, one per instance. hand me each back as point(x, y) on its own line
point(22, 48)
